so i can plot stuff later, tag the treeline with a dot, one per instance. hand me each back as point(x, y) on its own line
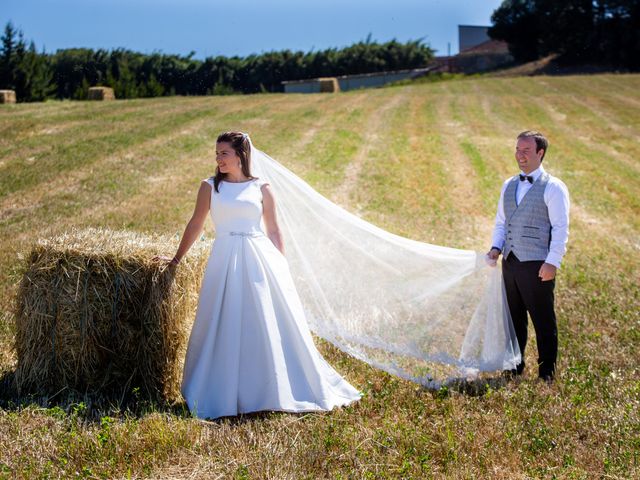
point(605, 32)
point(69, 73)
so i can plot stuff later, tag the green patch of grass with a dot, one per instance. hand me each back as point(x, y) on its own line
point(484, 177)
point(433, 78)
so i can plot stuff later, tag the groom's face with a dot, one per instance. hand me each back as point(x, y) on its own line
point(526, 156)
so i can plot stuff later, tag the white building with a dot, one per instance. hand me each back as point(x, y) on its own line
point(470, 36)
point(354, 82)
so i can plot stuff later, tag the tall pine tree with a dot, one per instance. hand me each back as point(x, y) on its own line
point(8, 57)
point(23, 69)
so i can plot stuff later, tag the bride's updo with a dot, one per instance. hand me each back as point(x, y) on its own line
point(240, 143)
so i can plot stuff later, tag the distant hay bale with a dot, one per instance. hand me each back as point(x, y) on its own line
point(7, 96)
point(95, 313)
point(329, 85)
point(101, 93)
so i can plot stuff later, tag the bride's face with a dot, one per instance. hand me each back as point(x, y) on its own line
point(227, 159)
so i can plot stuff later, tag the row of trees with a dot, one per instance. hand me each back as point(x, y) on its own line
point(605, 32)
point(68, 73)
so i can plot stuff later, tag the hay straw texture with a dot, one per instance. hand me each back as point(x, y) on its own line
point(101, 93)
point(7, 96)
point(95, 313)
point(329, 85)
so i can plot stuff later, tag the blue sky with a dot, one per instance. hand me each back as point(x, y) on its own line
point(240, 27)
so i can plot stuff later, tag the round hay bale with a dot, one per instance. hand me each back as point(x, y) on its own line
point(7, 96)
point(329, 85)
point(101, 93)
point(95, 313)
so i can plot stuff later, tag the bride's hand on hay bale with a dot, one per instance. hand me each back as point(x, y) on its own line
point(172, 261)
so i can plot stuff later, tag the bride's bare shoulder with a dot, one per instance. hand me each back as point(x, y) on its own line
point(206, 189)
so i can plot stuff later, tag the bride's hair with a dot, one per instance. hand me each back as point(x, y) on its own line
point(240, 143)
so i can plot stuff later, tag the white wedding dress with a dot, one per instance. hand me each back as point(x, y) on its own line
point(250, 347)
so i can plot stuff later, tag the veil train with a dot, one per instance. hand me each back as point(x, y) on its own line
point(423, 312)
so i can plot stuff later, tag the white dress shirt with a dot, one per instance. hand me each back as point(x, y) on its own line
point(556, 198)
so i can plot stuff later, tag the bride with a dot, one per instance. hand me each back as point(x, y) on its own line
point(424, 312)
point(250, 347)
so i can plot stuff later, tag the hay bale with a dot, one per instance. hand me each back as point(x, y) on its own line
point(329, 85)
point(95, 313)
point(7, 96)
point(101, 93)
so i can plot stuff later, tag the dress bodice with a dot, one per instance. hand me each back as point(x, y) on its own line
point(237, 207)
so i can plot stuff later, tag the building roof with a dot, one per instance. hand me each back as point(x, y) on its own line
point(490, 46)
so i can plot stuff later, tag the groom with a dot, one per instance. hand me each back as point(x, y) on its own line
point(531, 230)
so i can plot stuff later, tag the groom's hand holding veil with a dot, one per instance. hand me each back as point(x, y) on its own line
point(492, 256)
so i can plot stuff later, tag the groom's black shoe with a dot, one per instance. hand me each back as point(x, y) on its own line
point(546, 371)
point(548, 379)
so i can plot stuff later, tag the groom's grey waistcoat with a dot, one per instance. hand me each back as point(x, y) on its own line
point(527, 226)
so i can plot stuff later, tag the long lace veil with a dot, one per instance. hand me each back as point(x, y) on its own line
point(423, 312)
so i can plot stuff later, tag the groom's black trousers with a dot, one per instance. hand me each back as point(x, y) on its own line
point(527, 292)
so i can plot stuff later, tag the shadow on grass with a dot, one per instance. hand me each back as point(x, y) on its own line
point(477, 387)
point(90, 405)
point(243, 418)
point(94, 406)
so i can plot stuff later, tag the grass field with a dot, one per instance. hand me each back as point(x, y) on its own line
point(426, 161)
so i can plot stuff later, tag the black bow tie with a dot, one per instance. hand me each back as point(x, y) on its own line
point(526, 177)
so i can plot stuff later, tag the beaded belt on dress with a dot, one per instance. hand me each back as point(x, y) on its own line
point(245, 234)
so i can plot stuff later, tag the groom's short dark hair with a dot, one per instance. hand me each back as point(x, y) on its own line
point(541, 140)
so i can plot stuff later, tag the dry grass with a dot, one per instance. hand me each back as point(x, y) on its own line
point(425, 161)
